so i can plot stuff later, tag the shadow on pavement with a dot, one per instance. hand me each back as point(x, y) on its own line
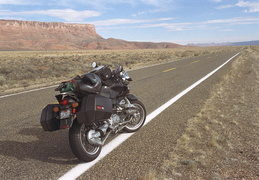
point(34, 143)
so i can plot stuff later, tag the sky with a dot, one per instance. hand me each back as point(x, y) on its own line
point(175, 21)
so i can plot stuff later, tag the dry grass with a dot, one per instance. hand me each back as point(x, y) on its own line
point(21, 70)
point(150, 176)
point(221, 141)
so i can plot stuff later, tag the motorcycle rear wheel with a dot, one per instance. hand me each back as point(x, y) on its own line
point(79, 144)
point(137, 119)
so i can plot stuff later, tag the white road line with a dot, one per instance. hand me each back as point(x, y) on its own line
point(28, 91)
point(79, 169)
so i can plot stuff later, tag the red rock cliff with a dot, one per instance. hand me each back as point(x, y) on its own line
point(32, 35)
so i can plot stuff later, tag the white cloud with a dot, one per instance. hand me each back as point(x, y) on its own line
point(216, 1)
point(233, 21)
point(252, 6)
point(225, 6)
point(108, 4)
point(69, 14)
point(227, 30)
point(156, 3)
point(170, 26)
point(66, 14)
point(114, 22)
point(156, 6)
point(216, 24)
point(161, 4)
point(211, 24)
point(96, 4)
point(18, 2)
point(146, 12)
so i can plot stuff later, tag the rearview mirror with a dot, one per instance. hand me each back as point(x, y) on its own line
point(94, 64)
point(119, 69)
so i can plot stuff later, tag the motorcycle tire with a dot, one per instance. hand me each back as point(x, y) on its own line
point(79, 144)
point(138, 118)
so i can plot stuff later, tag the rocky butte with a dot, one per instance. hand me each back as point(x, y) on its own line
point(33, 35)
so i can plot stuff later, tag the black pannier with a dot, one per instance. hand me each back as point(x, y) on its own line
point(94, 108)
point(48, 120)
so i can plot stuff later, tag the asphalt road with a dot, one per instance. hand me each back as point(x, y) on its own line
point(27, 152)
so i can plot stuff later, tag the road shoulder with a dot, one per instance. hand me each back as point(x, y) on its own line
point(221, 140)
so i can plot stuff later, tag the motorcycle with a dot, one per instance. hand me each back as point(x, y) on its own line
point(94, 106)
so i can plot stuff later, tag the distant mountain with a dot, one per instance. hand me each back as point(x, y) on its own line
point(33, 35)
point(246, 43)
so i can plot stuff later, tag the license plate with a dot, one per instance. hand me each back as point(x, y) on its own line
point(65, 114)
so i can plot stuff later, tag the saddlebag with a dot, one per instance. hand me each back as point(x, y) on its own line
point(48, 120)
point(94, 108)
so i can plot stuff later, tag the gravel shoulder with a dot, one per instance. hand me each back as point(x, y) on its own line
point(221, 141)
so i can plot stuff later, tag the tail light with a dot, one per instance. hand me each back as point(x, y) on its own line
point(64, 127)
point(64, 102)
point(74, 105)
point(74, 110)
point(56, 109)
point(68, 101)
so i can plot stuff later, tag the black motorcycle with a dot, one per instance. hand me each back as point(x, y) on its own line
point(94, 106)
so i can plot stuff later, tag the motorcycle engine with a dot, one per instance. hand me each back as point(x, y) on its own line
point(114, 120)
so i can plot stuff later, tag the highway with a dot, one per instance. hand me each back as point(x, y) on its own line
point(27, 152)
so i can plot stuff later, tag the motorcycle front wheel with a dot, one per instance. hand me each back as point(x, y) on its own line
point(137, 118)
point(79, 144)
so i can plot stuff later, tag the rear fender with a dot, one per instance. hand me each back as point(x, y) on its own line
point(132, 97)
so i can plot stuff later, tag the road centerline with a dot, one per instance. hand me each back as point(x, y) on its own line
point(169, 70)
point(194, 62)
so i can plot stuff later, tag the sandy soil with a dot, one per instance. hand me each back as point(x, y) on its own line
point(221, 141)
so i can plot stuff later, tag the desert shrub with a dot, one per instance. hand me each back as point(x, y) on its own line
point(2, 80)
point(5, 71)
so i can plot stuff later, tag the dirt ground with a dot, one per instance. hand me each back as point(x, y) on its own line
point(221, 141)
